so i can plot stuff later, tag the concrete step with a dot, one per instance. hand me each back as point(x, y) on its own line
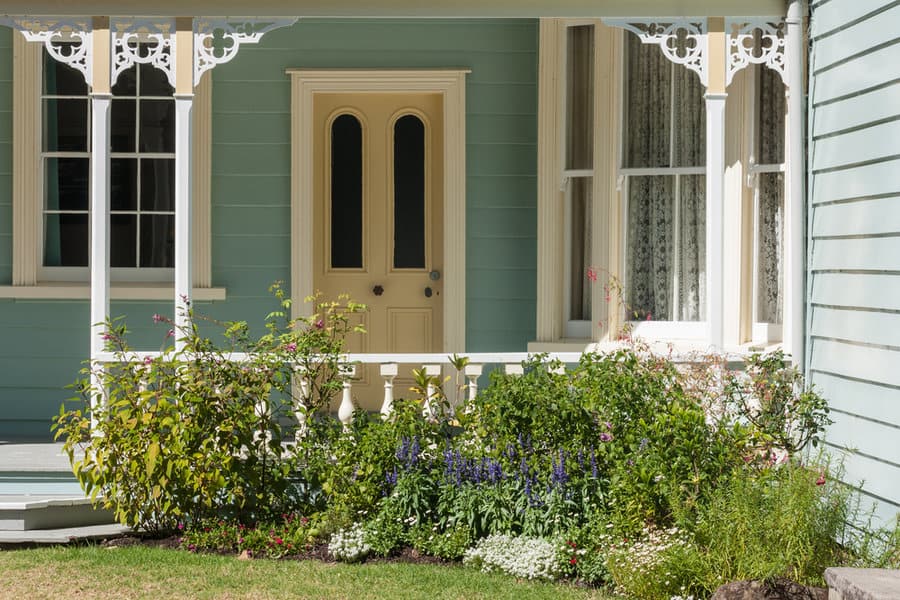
point(845, 583)
point(39, 483)
point(63, 535)
point(32, 512)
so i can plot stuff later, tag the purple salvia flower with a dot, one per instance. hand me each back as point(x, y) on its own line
point(593, 464)
point(414, 453)
point(643, 445)
point(581, 459)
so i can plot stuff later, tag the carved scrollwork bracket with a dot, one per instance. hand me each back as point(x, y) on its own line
point(216, 41)
point(143, 41)
point(756, 40)
point(67, 40)
point(682, 41)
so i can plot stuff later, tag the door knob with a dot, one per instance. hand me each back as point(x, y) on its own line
point(434, 275)
point(378, 290)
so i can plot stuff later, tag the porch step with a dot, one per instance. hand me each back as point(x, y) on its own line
point(64, 535)
point(35, 512)
point(862, 584)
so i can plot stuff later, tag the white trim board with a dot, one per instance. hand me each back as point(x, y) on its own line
point(450, 83)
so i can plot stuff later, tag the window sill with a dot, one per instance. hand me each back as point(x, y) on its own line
point(118, 291)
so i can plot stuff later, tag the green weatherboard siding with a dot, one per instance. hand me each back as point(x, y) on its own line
point(44, 342)
point(854, 245)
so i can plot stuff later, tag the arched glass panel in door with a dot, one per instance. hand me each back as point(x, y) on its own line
point(346, 193)
point(409, 193)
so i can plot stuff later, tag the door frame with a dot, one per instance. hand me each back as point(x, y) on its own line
point(450, 84)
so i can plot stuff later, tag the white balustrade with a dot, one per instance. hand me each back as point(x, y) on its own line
point(345, 411)
point(300, 410)
point(433, 373)
point(514, 369)
point(472, 372)
point(388, 371)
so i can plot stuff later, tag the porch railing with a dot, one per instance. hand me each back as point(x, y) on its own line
point(434, 366)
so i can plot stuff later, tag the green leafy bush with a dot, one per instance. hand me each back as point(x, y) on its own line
point(192, 435)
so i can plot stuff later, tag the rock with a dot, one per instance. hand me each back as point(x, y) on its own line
point(778, 589)
point(245, 555)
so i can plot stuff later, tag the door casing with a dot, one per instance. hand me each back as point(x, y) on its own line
point(450, 84)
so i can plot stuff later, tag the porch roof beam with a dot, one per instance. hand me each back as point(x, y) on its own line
point(398, 8)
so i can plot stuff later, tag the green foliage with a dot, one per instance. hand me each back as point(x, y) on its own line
point(782, 412)
point(448, 545)
point(287, 535)
point(787, 521)
point(192, 435)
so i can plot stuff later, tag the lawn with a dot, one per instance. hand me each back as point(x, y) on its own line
point(140, 572)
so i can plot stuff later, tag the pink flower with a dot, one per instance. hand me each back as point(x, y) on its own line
point(148, 360)
point(170, 333)
point(649, 316)
point(157, 318)
point(606, 437)
point(106, 337)
point(592, 274)
point(821, 479)
point(279, 541)
point(291, 347)
point(320, 324)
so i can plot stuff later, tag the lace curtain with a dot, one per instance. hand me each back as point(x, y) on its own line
point(770, 223)
point(666, 232)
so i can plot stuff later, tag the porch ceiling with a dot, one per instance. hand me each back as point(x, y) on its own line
point(398, 8)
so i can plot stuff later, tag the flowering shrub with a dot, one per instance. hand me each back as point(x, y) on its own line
point(525, 557)
point(349, 545)
point(288, 535)
point(645, 568)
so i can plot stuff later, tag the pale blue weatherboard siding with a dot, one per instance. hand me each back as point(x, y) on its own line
point(42, 343)
point(854, 245)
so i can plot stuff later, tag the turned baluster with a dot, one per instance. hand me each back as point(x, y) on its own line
point(388, 371)
point(300, 410)
point(433, 372)
point(345, 411)
point(473, 372)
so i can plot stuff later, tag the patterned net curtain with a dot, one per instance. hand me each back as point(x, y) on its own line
point(770, 223)
point(666, 213)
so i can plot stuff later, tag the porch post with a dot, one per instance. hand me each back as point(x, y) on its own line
point(101, 99)
point(715, 181)
point(184, 102)
point(794, 318)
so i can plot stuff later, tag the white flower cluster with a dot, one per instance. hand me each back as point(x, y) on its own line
point(529, 558)
point(635, 563)
point(349, 545)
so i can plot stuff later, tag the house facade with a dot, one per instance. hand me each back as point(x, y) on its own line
point(476, 173)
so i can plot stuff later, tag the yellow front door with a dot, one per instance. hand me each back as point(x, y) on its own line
point(378, 220)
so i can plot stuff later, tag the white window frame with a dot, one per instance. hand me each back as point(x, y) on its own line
point(610, 195)
point(654, 328)
point(762, 332)
point(30, 280)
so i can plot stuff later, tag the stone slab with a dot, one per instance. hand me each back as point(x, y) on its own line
point(845, 583)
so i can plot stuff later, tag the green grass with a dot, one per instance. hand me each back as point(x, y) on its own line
point(140, 572)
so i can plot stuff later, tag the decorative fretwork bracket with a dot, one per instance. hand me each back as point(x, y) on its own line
point(217, 40)
point(682, 41)
point(67, 40)
point(143, 41)
point(742, 34)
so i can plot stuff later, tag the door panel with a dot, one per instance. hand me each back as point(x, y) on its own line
point(385, 199)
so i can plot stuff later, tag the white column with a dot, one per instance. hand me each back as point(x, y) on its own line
point(183, 216)
point(433, 372)
point(473, 372)
point(99, 261)
point(794, 317)
point(715, 197)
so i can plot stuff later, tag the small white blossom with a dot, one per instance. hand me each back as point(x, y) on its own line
point(349, 545)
